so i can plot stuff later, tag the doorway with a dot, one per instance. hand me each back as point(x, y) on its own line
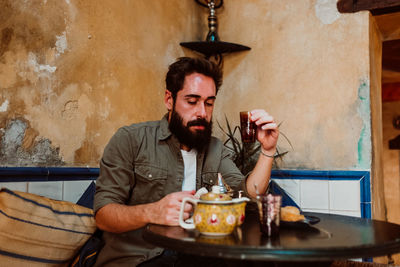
point(389, 27)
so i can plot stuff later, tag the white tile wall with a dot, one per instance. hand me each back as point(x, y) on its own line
point(344, 195)
point(18, 186)
point(73, 190)
point(53, 190)
point(60, 190)
point(292, 188)
point(325, 196)
point(314, 194)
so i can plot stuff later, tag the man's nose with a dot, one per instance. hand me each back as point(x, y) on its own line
point(201, 110)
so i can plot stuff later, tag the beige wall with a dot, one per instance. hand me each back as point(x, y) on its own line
point(72, 72)
point(309, 66)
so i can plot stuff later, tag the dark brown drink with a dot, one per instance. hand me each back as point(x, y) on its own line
point(270, 214)
point(247, 128)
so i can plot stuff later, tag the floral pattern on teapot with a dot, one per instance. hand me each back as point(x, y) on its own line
point(215, 219)
point(215, 213)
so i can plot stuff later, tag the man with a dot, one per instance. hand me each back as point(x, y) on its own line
point(148, 168)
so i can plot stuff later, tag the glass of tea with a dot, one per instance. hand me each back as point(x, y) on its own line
point(247, 127)
point(269, 210)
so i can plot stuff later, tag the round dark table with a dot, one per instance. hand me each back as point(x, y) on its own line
point(334, 237)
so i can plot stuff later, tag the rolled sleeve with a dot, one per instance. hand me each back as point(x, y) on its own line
point(116, 176)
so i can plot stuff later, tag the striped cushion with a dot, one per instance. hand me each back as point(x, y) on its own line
point(38, 231)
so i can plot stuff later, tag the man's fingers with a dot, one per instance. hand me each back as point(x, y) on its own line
point(269, 126)
point(171, 206)
point(261, 117)
point(187, 207)
point(185, 216)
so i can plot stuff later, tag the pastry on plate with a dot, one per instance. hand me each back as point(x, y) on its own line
point(291, 214)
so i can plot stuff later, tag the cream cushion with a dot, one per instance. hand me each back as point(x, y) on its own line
point(38, 231)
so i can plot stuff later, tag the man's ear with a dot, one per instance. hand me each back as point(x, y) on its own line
point(168, 100)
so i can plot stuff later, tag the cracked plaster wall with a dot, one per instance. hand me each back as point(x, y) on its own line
point(72, 72)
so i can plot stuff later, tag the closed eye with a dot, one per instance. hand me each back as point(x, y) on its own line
point(210, 104)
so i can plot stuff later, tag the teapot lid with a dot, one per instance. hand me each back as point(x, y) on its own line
point(216, 189)
point(220, 185)
point(215, 195)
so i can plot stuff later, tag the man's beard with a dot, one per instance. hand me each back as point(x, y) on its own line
point(198, 139)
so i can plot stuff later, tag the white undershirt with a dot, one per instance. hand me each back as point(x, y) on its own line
point(189, 163)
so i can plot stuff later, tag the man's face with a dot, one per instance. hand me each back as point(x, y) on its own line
point(192, 111)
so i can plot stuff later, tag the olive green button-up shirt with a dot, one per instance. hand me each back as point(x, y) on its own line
point(142, 163)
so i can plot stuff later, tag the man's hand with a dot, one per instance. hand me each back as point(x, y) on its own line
point(119, 218)
point(166, 210)
point(267, 135)
point(267, 130)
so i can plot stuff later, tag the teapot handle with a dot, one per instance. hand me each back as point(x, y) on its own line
point(182, 223)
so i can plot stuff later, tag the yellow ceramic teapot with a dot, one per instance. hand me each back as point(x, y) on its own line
point(215, 213)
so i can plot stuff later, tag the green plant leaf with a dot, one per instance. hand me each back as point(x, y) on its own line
point(245, 155)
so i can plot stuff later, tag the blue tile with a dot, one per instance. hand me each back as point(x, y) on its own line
point(362, 176)
point(24, 174)
point(365, 210)
point(365, 188)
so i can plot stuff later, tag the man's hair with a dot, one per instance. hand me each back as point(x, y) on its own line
point(185, 66)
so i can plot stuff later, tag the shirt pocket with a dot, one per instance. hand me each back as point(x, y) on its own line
point(149, 185)
point(208, 179)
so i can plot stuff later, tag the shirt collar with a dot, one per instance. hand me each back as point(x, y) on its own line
point(164, 127)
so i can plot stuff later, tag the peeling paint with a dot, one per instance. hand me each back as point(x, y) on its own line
point(326, 11)
point(47, 68)
point(4, 106)
point(13, 137)
point(364, 142)
point(70, 110)
point(105, 110)
point(12, 152)
point(61, 44)
point(32, 61)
